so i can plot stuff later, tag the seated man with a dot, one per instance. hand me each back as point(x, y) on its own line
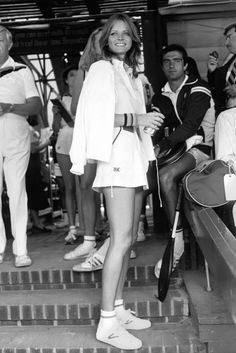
point(184, 100)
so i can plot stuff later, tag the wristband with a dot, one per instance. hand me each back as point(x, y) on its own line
point(132, 120)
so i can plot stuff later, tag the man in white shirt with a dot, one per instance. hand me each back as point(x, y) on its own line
point(18, 99)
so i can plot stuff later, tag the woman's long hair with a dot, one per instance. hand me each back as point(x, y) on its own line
point(90, 54)
point(133, 56)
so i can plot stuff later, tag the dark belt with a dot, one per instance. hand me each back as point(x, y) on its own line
point(128, 128)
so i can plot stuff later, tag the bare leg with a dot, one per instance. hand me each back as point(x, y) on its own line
point(88, 247)
point(79, 202)
point(69, 181)
point(120, 211)
point(137, 210)
point(120, 207)
point(88, 199)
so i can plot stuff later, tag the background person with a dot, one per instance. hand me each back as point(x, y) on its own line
point(90, 199)
point(37, 199)
point(18, 99)
point(64, 131)
point(122, 153)
point(222, 80)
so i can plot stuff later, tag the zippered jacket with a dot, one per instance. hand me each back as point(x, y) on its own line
point(193, 114)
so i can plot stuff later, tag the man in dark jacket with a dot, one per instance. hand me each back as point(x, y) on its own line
point(185, 102)
point(222, 80)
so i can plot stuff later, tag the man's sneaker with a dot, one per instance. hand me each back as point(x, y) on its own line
point(141, 236)
point(117, 336)
point(129, 321)
point(1, 258)
point(81, 251)
point(23, 261)
point(71, 236)
point(92, 263)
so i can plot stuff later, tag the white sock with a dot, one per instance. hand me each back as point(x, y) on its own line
point(89, 241)
point(107, 319)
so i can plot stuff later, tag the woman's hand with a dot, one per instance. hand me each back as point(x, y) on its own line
point(153, 119)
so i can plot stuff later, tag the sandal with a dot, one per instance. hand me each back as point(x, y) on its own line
point(92, 263)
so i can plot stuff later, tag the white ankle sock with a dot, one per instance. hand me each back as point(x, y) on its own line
point(89, 241)
point(107, 319)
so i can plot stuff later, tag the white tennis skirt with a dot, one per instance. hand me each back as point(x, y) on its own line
point(128, 165)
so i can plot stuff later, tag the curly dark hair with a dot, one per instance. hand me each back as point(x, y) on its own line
point(133, 56)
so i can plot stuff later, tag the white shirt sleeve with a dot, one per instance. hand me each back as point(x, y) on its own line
point(29, 84)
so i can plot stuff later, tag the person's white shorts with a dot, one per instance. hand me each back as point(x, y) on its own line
point(128, 164)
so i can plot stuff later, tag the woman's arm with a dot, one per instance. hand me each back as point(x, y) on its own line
point(153, 119)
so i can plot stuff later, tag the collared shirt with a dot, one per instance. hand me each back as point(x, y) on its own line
point(17, 86)
point(167, 91)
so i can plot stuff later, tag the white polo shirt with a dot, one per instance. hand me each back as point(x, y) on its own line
point(17, 86)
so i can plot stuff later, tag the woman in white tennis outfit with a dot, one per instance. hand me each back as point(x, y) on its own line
point(109, 131)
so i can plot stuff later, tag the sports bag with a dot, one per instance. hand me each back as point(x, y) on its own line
point(206, 186)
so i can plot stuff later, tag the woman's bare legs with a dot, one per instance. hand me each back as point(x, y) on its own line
point(69, 181)
point(120, 211)
point(79, 203)
point(88, 198)
point(89, 215)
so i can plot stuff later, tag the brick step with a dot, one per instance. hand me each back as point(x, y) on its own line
point(160, 338)
point(73, 307)
point(65, 279)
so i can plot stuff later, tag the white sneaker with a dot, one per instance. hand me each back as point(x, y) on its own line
point(82, 250)
point(92, 263)
point(71, 236)
point(117, 336)
point(141, 236)
point(23, 261)
point(129, 321)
